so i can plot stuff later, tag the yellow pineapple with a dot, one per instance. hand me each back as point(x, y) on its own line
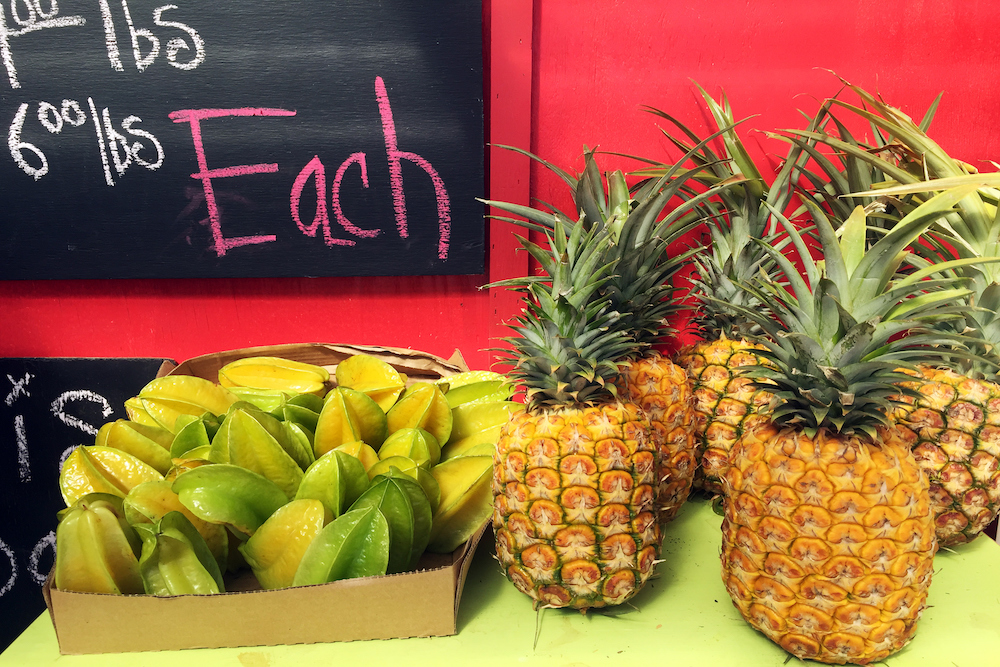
point(828, 535)
point(642, 296)
point(574, 475)
point(952, 421)
point(723, 400)
point(953, 427)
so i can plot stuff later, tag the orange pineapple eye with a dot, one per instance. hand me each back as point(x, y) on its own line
point(846, 534)
point(580, 573)
point(807, 619)
point(879, 551)
point(542, 483)
point(611, 454)
point(580, 503)
point(766, 618)
point(619, 586)
point(647, 560)
point(554, 595)
point(782, 567)
point(613, 519)
point(814, 587)
point(620, 549)
point(766, 587)
point(779, 497)
point(540, 560)
point(844, 645)
point(615, 486)
point(576, 541)
point(800, 645)
point(578, 470)
point(542, 452)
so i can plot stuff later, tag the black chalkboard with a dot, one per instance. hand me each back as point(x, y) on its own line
point(235, 139)
point(47, 407)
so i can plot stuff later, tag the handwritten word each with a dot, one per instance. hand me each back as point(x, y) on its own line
point(116, 147)
point(29, 16)
point(316, 171)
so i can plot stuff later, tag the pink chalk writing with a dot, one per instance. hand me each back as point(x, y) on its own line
point(223, 244)
point(337, 210)
point(316, 169)
point(395, 156)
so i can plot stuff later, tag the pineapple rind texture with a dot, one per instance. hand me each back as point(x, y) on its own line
point(575, 516)
point(954, 431)
point(725, 402)
point(828, 542)
point(661, 388)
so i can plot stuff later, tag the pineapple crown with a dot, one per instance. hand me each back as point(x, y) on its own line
point(637, 232)
point(741, 215)
point(568, 340)
point(901, 170)
point(849, 322)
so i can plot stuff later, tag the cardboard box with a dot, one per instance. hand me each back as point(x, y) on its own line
point(422, 603)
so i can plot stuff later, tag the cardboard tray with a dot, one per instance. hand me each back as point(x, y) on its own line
point(423, 603)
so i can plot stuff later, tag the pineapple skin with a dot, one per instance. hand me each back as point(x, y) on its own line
point(828, 542)
point(725, 403)
point(954, 431)
point(575, 517)
point(662, 389)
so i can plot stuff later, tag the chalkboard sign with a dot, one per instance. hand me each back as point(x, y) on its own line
point(234, 139)
point(47, 407)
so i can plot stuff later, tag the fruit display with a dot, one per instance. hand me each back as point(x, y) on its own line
point(281, 468)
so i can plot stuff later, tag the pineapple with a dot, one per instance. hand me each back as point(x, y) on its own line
point(641, 292)
point(952, 422)
point(828, 536)
point(574, 475)
point(725, 402)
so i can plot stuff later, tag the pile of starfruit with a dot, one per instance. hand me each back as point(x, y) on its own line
point(279, 468)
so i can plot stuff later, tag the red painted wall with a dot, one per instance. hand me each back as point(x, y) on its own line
point(562, 73)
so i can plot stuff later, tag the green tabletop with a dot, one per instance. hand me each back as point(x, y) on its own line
point(682, 618)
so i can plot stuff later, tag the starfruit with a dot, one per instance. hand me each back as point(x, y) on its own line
point(149, 444)
point(271, 401)
point(405, 506)
point(299, 443)
point(193, 433)
point(498, 388)
point(137, 413)
point(360, 451)
point(189, 390)
point(466, 501)
point(275, 373)
point(413, 443)
point(306, 417)
point(406, 466)
point(355, 544)
point(96, 549)
point(311, 402)
point(457, 380)
point(256, 441)
point(477, 424)
point(175, 559)
point(170, 413)
point(422, 406)
point(336, 479)
point(230, 495)
point(372, 376)
point(97, 469)
point(151, 501)
point(348, 415)
point(276, 549)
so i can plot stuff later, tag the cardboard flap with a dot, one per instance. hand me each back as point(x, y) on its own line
point(418, 366)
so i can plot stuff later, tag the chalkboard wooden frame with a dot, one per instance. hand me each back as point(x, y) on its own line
point(278, 138)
